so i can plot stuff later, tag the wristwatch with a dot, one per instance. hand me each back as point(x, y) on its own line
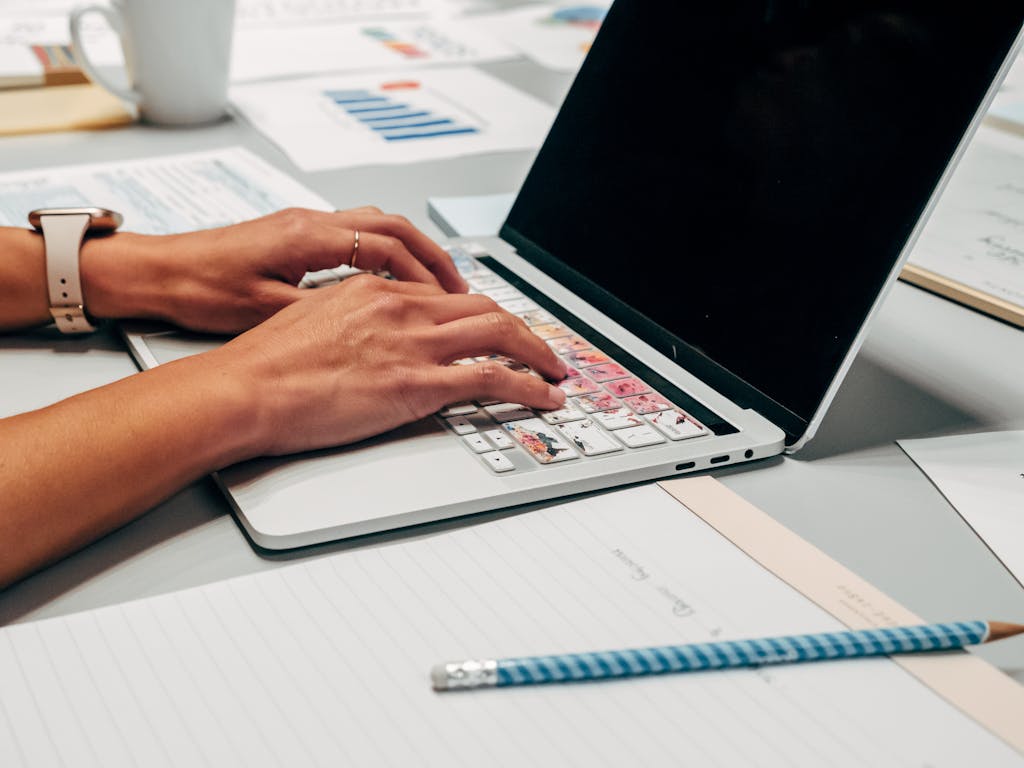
point(63, 230)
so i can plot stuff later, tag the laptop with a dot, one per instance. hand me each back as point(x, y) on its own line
point(723, 201)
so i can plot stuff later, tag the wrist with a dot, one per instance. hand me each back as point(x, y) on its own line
point(223, 409)
point(120, 276)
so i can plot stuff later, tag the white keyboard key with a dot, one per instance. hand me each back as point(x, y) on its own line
point(465, 263)
point(504, 293)
point(620, 418)
point(457, 409)
point(542, 442)
point(676, 425)
point(461, 425)
point(589, 438)
point(516, 306)
point(509, 412)
point(499, 462)
point(477, 443)
point(537, 317)
point(562, 415)
point(485, 281)
point(637, 437)
point(501, 441)
point(476, 249)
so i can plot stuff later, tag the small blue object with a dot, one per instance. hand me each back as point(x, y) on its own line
point(570, 667)
point(580, 13)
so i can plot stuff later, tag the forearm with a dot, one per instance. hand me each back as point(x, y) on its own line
point(86, 466)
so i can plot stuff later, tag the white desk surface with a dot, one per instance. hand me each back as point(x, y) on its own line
point(929, 368)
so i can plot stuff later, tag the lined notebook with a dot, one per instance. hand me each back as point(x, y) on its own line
point(327, 662)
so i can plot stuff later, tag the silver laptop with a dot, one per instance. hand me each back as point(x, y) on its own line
point(723, 201)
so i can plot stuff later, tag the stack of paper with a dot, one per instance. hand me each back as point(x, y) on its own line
point(327, 662)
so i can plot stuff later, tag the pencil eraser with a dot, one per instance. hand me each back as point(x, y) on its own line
point(439, 677)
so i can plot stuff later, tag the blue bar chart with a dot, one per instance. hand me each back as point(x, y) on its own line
point(401, 115)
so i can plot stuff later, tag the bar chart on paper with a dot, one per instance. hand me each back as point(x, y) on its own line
point(402, 117)
point(403, 111)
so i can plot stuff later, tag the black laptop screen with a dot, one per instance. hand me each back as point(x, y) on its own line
point(735, 181)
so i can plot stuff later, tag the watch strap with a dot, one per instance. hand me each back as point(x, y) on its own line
point(62, 235)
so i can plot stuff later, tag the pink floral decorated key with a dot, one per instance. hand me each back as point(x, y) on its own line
point(649, 403)
point(627, 387)
point(599, 401)
point(569, 344)
point(607, 372)
point(578, 385)
point(587, 357)
point(551, 330)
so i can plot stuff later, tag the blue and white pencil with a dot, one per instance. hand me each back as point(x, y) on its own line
point(727, 654)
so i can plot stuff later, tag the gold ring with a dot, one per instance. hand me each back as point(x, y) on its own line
point(355, 250)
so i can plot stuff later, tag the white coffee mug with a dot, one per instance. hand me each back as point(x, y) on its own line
point(177, 53)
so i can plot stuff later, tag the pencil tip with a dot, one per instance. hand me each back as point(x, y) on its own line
point(998, 630)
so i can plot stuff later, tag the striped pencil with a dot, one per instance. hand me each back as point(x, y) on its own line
point(727, 654)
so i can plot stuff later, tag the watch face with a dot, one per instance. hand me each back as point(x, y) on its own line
point(100, 218)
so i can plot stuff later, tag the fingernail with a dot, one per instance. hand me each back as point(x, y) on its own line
point(556, 397)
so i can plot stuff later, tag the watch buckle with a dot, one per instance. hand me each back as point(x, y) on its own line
point(72, 319)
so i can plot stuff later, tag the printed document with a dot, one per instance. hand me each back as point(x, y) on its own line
point(982, 476)
point(976, 234)
point(267, 52)
point(555, 36)
point(398, 117)
point(161, 195)
point(327, 662)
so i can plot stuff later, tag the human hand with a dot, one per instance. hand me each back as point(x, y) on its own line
point(354, 360)
point(229, 279)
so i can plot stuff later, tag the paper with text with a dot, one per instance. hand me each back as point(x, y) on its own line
point(160, 195)
point(982, 476)
point(975, 236)
point(327, 662)
point(556, 36)
point(264, 53)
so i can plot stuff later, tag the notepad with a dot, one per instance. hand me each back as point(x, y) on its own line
point(327, 662)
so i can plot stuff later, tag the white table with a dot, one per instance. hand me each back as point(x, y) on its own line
point(929, 368)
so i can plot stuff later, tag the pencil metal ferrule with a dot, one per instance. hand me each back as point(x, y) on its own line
point(472, 673)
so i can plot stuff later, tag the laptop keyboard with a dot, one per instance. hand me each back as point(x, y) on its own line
point(607, 411)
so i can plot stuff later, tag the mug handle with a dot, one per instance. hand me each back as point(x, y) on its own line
point(114, 20)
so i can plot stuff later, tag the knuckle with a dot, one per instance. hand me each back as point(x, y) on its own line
point(489, 304)
point(501, 323)
point(364, 281)
point(488, 374)
point(399, 222)
point(392, 245)
point(293, 222)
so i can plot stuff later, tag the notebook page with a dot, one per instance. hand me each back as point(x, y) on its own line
point(327, 662)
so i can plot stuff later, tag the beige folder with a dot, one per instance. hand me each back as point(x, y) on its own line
point(60, 108)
